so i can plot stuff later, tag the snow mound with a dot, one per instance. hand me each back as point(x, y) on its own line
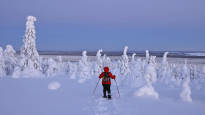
point(54, 85)
point(147, 90)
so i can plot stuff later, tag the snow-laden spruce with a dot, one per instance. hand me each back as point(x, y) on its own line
point(203, 70)
point(133, 58)
point(84, 68)
point(2, 64)
point(106, 61)
point(136, 71)
point(164, 73)
point(137, 68)
point(186, 90)
point(150, 77)
point(11, 60)
point(147, 56)
point(164, 61)
point(124, 69)
point(52, 67)
point(62, 67)
point(72, 70)
point(30, 61)
point(29, 53)
point(98, 66)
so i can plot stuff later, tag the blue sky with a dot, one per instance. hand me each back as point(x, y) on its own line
point(108, 24)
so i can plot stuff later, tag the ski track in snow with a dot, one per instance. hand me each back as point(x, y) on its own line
point(104, 106)
point(97, 105)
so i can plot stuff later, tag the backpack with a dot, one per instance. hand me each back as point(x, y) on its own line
point(106, 77)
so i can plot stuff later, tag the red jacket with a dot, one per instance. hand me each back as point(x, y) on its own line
point(106, 69)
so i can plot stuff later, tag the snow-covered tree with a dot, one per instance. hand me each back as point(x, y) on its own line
point(193, 72)
point(152, 60)
point(84, 68)
point(98, 66)
point(147, 56)
point(30, 60)
point(98, 56)
point(136, 71)
point(164, 61)
point(185, 72)
point(61, 65)
point(133, 57)
point(2, 64)
point(185, 75)
point(124, 69)
point(186, 92)
point(10, 59)
point(52, 68)
point(44, 65)
point(203, 69)
point(29, 53)
point(150, 77)
point(72, 70)
point(107, 61)
point(164, 72)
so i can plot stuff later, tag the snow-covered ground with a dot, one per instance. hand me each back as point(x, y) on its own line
point(32, 97)
point(31, 84)
point(196, 54)
point(70, 90)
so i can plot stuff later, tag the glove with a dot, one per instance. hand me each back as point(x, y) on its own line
point(114, 76)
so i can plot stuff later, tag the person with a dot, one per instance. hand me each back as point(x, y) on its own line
point(106, 82)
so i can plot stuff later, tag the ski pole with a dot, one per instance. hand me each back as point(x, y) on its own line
point(117, 88)
point(96, 87)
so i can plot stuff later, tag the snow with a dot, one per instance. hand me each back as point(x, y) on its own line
point(2, 64)
point(150, 78)
point(10, 59)
point(148, 88)
point(196, 54)
point(54, 85)
point(133, 57)
point(124, 63)
point(147, 85)
point(32, 96)
point(186, 93)
point(84, 68)
point(164, 61)
point(147, 56)
point(29, 53)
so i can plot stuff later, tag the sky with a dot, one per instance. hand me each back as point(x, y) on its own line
point(73, 25)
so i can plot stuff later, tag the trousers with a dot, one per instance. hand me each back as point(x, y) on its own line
point(106, 88)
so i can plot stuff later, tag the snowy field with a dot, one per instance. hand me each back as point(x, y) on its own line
point(32, 97)
point(71, 91)
point(33, 84)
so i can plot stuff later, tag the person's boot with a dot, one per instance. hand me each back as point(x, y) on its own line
point(109, 97)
